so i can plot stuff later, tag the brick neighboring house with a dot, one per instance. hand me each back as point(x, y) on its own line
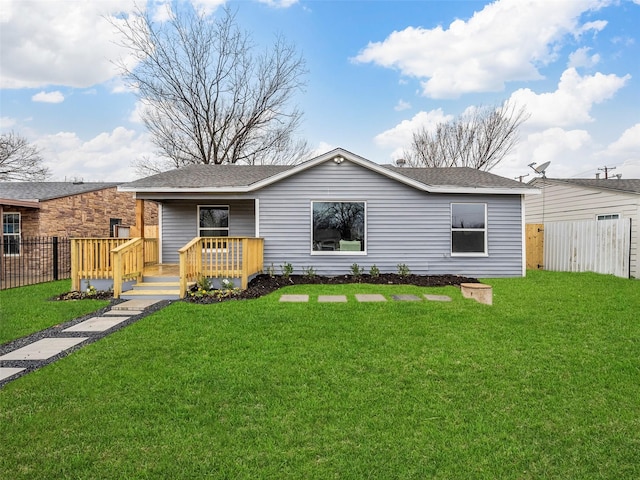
point(64, 210)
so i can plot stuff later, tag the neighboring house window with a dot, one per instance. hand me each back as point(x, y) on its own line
point(113, 222)
point(11, 233)
point(338, 227)
point(468, 228)
point(608, 216)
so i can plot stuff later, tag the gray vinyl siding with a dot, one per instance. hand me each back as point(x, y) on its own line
point(403, 225)
point(562, 202)
point(180, 222)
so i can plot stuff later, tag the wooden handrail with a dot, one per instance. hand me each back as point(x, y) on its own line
point(128, 262)
point(91, 258)
point(227, 257)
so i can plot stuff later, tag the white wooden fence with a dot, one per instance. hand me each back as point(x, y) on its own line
point(601, 246)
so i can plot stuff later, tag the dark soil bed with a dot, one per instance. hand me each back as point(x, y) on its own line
point(265, 284)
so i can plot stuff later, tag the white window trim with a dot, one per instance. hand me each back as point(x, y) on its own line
point(485, 230)
point(19, 234)
point(228, 229)
point(617, 215)
point(219, 229)
point(334, 253)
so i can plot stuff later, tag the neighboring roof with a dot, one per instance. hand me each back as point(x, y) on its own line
point(616, 184)
point(40, 191)
point(248, 178)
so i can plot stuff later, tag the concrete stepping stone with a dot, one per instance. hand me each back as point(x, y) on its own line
point(43, 349)
point(120, 313)
point(332, 298)
point(406, 298)
point(437, 298)
point(6, 372)
point(138, 304)
point(370, 297)
point(96, 324)
point(294, 298)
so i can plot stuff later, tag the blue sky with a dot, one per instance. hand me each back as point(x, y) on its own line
point(377, 71)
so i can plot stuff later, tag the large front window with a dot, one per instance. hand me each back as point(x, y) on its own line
point(468, 229)
point(11, 233)
point(213, 221)
point(338, 226)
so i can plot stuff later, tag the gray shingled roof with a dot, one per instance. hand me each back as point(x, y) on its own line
point(456, 177)
point(620, 185)
point(215, 176)
point(49, 190)
point(220, 176)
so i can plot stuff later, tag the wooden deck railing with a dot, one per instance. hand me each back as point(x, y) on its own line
point(91, 258)
point(230, 257)
point(116, 258)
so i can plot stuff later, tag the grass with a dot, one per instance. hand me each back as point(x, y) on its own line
point(27, 310)
point(543, 384)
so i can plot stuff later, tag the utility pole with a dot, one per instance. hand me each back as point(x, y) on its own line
point(606, 171)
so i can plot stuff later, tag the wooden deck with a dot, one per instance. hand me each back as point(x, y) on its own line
point(162, 270)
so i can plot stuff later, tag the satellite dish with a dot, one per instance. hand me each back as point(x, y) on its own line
point(541, 168)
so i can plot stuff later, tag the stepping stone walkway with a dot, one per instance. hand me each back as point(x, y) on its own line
point(42, 348)
point(363, 297)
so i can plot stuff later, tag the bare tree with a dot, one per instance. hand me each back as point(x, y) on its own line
point(480, 139)
point(19, 160)
point(209, 96)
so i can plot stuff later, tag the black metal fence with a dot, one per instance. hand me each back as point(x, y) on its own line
point(29, 260)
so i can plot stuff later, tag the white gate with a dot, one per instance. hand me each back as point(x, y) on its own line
point(601, 246)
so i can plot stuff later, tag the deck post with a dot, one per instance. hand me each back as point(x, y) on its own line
point(75, 274)
point(116, 262)
point(245, 263)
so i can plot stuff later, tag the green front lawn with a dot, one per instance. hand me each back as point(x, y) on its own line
point(543, 384)
point(26, 310)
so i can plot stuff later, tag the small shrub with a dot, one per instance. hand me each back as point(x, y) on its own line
point(271, 271)
point(228, 284)
point(374, 271)
point(403, 269)
point(91, 290)
point(356, 270)
point(309, 272)
point(287, 270)
point(204, 283)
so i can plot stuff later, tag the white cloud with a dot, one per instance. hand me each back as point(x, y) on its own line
point(279, 3)
point(581, 58)
point(6, 122)
point(399, 137)
point(571, 103)
point(402, 105)
point(67, 43)
point(506, 41)
point(48, 97)
point(625, 153)
point(106, 157)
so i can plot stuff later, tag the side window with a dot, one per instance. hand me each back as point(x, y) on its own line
point(11, 233)
point(468, 229)
point(608, 216)
point(338, 227)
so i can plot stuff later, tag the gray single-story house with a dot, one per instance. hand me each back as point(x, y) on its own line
point(338, 209)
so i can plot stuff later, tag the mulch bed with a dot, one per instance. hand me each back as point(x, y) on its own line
point(264, 284)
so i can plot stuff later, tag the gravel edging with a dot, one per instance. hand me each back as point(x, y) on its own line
point(56, 331)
